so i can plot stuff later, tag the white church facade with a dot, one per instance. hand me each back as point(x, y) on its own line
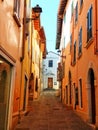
point(50, 71)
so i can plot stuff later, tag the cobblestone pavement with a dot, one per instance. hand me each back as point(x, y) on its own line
point(48, 113)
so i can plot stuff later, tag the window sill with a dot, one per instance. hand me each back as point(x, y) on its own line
point(89, 42)
point(79, 55)
point(81, 108)
point(17, 19)
point(73, 63)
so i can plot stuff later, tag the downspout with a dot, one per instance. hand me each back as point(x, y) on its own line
point(22, 58)
point(24, 30)
point(31, 48)
point(39, 63)
point(96, 30)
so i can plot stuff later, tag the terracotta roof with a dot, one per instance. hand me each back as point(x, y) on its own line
point(37, 26)
point(43, 40)
point(59, 21)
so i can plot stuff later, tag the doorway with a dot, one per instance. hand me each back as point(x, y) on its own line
point(5, 87)
point(67, 95)
point(50, 82)
point(70, 89)
point(91, 96)
point(25, 93)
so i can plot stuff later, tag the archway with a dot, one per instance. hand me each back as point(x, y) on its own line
point(91, 96)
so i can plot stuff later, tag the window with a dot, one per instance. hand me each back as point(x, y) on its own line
point(81, 3)
point(89, 24)
point(64, 41)
point(50, 63)
point(80, 42)
point(80, 93)
point(36, 85)
point(55, 83)
point(74, 60)
point(72, 8)
point(76, 96)
point(70, 42)
point(76, 13)
point(63, 69)
point(17, 12)
point(28, 38)
point(17, 7)
point(65, 18)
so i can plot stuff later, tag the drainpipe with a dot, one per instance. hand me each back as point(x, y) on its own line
point(22, 58)
point(24, 29)
point(31, 50)
point(96, 29)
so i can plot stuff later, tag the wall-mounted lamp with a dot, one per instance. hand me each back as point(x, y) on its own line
point(56, 54)
point(1, 61)
point(37, 10)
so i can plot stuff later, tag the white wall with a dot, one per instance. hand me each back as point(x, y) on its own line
point(65, 38)
point(50, 71)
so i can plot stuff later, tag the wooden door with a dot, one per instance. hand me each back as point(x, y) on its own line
point(50, 82)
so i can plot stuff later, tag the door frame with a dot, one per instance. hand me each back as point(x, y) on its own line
point(91, 93)
point(51, 83)
point(8, 58)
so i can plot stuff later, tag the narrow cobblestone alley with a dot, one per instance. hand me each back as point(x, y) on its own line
point(48, 113)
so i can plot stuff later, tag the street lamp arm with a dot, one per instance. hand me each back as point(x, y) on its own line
point(30, 19)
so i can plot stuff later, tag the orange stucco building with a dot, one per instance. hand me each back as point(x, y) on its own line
point(11, 36)
point(77, 38)
point(16, 50)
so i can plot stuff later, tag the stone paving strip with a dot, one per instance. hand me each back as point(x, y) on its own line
point(48, 113)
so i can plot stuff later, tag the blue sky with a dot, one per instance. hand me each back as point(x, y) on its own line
point(48, 20)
